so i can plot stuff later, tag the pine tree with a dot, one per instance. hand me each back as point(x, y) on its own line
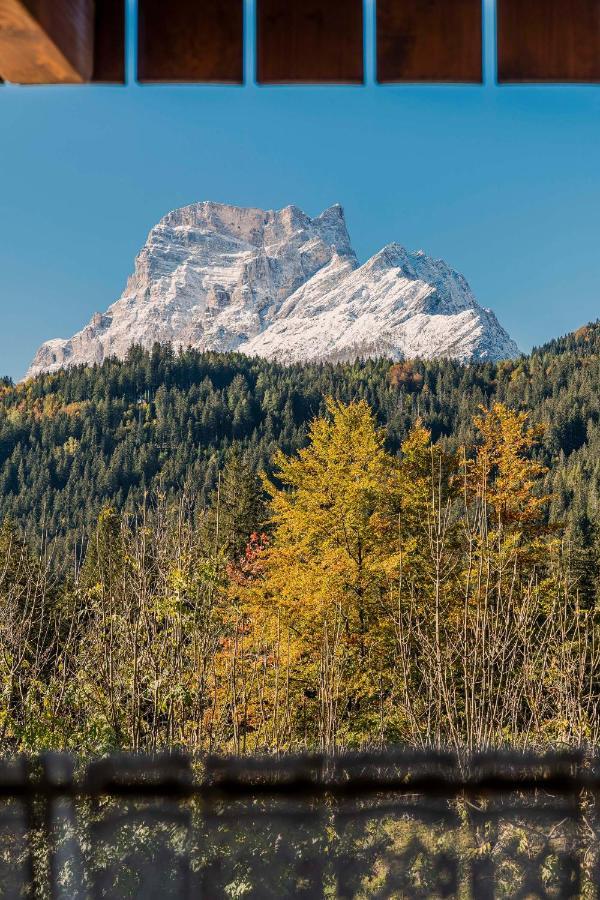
point(238, 509)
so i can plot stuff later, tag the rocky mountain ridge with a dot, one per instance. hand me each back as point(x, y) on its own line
point(285, 286)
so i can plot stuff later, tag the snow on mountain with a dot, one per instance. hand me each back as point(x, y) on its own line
point(282, 285)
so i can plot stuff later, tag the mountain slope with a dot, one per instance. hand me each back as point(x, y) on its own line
point(399, 304)
point(75, 441)
point(282, 285)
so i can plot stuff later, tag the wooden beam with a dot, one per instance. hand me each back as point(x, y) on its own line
point(191, 41)
point(548, 40)
point(46, 41)
point(109, 42)
point(310, 41)
point(430, 41)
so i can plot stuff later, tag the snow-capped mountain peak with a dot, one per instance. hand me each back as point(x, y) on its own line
point(286, 286)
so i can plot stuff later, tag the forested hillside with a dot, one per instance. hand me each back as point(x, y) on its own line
point(418, 564)
point(418, 597)
point(73, 441)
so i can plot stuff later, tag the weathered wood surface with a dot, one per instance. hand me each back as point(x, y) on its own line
point(47, 41)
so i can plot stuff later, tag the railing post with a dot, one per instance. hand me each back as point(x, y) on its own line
point(66, 870)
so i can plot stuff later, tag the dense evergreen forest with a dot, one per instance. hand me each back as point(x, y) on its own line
point(220, 553)
point(74, 441)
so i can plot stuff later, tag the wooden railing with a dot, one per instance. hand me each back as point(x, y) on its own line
point(398, 824)
point(298, 41)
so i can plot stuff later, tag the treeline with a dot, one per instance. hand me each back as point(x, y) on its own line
point(164, 422)
point(358, 597)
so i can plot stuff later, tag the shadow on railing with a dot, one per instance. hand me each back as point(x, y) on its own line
point(392, 825)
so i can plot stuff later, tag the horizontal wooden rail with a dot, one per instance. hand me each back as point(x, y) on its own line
point(312, 826)
point(403, 771)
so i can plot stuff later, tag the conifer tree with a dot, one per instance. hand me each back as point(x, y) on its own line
point(237, 509)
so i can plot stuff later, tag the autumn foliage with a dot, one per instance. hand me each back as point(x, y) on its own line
point(418, 598)
point(359, 597)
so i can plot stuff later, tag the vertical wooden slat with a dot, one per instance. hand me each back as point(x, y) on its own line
point(429, 40)
point(548, 40)
point(191, 41)
point(46, 41)
point(109, 43)
point(310, 41)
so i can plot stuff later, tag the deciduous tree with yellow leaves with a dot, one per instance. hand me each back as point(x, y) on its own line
point(418, 597)
point(404, 597)
point(323, 597)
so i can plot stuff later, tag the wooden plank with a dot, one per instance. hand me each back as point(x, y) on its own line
point(109, 44)
point(46, 41)
point(548, 40)
point(191, 41)
point(430, 41)
point(310, 41)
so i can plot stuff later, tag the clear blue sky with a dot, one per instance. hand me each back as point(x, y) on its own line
point(503, 183)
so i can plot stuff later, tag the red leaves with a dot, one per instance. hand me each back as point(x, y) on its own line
point(251, 565)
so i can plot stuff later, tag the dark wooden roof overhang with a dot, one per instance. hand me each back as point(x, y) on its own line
point(298, 41)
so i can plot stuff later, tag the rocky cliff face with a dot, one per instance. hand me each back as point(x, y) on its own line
point(282, 285)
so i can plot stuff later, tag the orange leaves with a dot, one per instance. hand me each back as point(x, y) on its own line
point(503, 472)
point(372, 556)
point(252, 564)
point(404, 375)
